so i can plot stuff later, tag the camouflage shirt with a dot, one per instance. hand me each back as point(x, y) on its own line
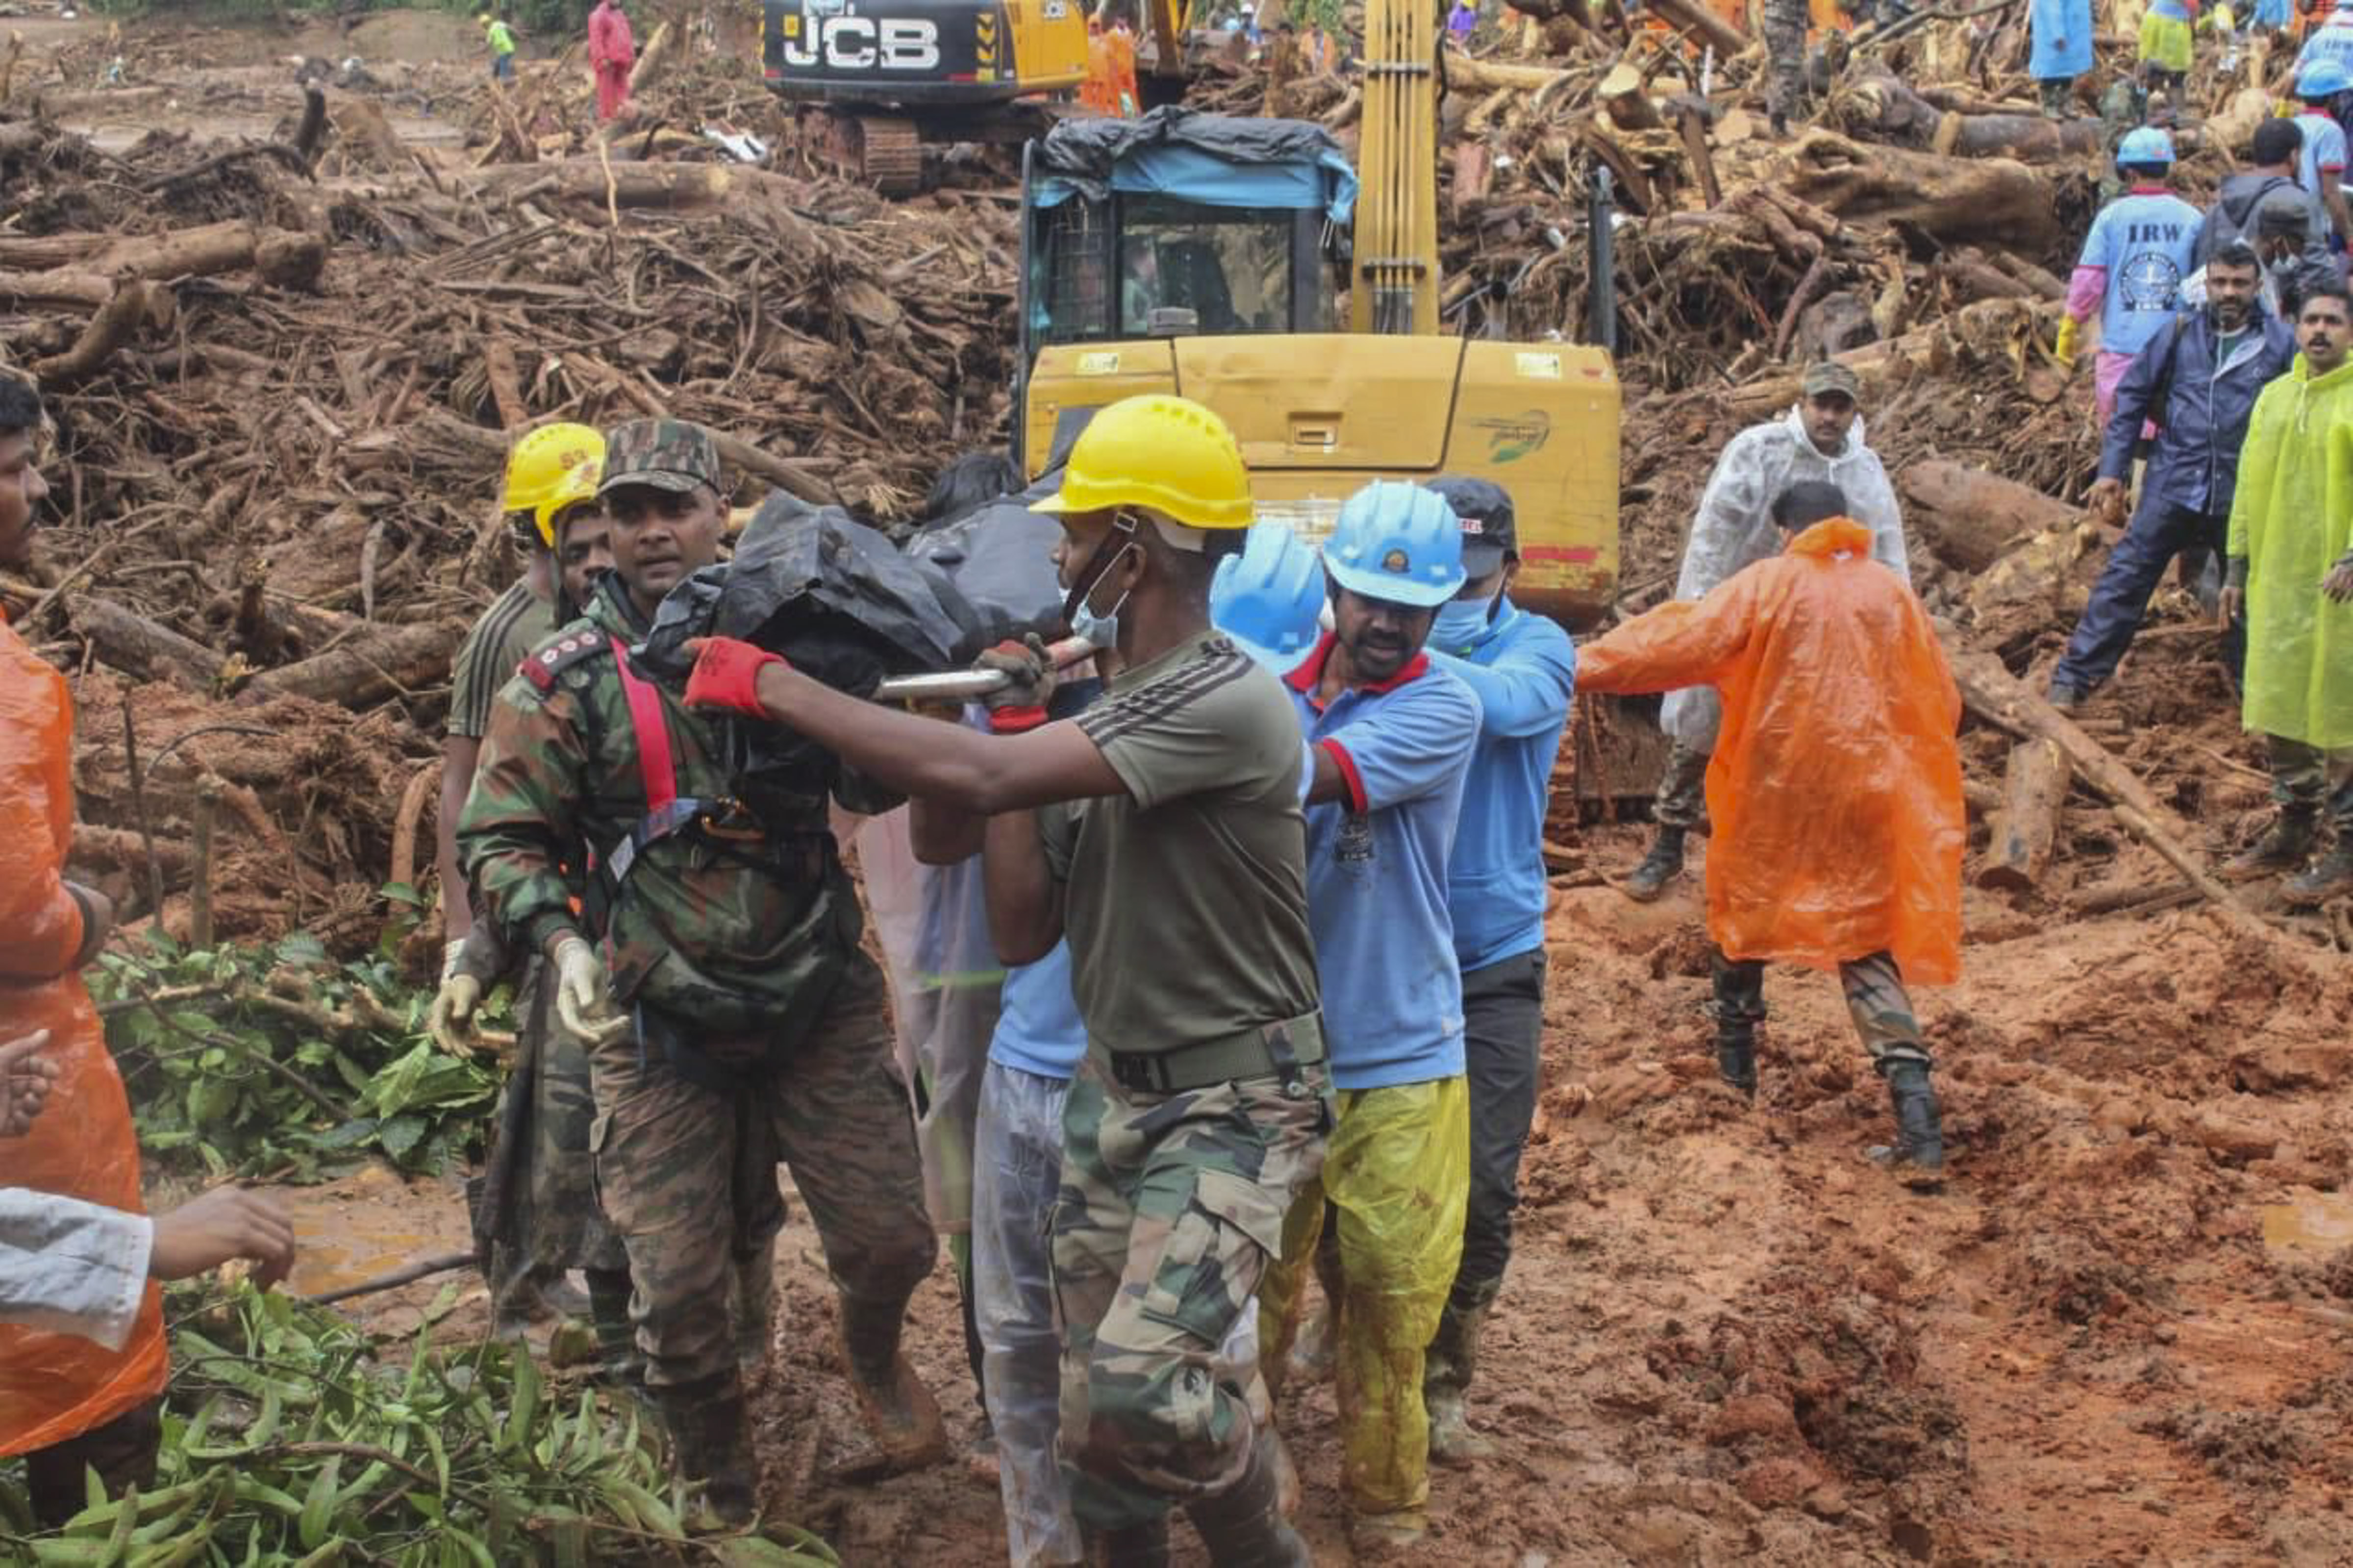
point(731, 930)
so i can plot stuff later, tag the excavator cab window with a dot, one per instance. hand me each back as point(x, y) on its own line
point(1237, 270)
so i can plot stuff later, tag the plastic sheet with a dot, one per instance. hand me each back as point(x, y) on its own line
point(1398, 1169)
point(2292, 518)
point(1835, 789)
point(55, 1386)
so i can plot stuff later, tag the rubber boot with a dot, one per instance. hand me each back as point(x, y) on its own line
point(1736, 1052)
point(900, 1412)
point(1309, 1357)
point(1243, 1526)
point(1917, 1156)
point(711, 1442)
point(1141, 1545)
point(2330, 876)
point(622, 1369)
point(754, 1312)
point(1453, 1362)
point(2283, 848)
point(1663, 865)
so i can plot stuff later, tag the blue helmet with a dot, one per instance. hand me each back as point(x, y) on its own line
point(2146, 145)
point(1270, 597)
point(2322, 79)
point(1397, 543)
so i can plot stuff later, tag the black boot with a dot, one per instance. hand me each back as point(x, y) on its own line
point(1918, 1153)
point(1141, 1545)
point(1663, 865)
point(2283, 848)
point(2330, 876)
point(711, 1442)
point(1243, 1526)
point(1735, 1053)
point(900, 1411)
point(1739, 1007)
point(1452, 1362)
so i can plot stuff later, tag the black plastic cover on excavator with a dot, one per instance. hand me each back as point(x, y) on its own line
point(1083, 152)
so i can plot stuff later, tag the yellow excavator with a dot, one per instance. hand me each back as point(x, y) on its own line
point(1218, 257)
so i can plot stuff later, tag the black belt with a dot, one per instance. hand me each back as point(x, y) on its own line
point(1269, 1050)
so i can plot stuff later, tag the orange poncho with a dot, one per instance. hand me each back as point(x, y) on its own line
point(56, 1386)
point(1835, 790)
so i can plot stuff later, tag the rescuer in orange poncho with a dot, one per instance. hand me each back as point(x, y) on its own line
point(1835, 790)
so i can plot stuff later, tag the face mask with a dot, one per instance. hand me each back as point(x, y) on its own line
point(1460, 622)
point(1100, 630)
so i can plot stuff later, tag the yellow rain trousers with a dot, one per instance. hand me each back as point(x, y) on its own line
point(1397, 1169)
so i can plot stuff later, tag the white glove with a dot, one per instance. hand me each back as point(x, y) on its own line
point(583, 1003)
point(452, 951)
point(452, 1019)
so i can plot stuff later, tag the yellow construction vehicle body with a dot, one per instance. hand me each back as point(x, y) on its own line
point(1050, 44)
point(1318, 415)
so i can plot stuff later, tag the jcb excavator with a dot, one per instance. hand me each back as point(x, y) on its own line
point(1208, 256)
point(877, 78)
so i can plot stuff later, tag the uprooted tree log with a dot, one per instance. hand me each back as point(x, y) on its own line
point(2026, 827)
point(1972, 516)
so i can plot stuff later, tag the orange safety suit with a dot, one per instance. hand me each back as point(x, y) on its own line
point(1835, 789)
point(56, 1386)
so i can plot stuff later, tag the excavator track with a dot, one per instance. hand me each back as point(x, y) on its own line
point(874, 150)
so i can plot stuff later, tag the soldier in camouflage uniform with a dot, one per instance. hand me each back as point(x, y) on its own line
point(1171, 856)
point(1785, 44)
point(731, 1018)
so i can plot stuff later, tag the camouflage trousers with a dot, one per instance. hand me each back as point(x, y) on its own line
point(1785, 23)
point(1683, 789)
point(689, 1177)
point(2306, 778)
point(1169, 1208)
point(1876, 1000)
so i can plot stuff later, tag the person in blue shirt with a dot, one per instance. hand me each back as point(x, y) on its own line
point(2321, 87)
point(2134, 261)
point(1391, 738)
point(1523, 669)
point(2060, 32)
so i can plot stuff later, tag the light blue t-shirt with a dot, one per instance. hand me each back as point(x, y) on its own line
point(2323, 149)
point(1522, 671)
point(1038, 1026)
point(2333, 40)
point(1377, 868)
point(2144, 240)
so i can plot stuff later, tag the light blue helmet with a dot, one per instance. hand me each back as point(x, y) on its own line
point(2146, 145)
point(2322, 79)
point(1397, 542)
point(1268, 597)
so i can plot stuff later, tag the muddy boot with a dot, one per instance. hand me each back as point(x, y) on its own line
point(1453, 1362)
point(2330, 876)
point(1917, 1156)
point(1663, 865)
point(711, 1442)
point(900, 1412)
point(754, 1312)
point(1243, 1526)
point(620, 1367)
point(2283, 848)
point(1736, 1052)
point(1141, 1545)
point(1309, 1360)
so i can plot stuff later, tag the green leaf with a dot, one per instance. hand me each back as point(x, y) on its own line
point(301, 948)
point(317, 1503)
point(400, 1134)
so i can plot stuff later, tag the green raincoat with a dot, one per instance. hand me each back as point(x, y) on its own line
point(2290, 520)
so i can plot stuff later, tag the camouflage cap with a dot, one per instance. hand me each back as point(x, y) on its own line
point(666, 454)
point(1829, 376)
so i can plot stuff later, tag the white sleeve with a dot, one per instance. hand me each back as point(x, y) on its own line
point(1732, 510)
point(72, 1268)
point(1871, 501)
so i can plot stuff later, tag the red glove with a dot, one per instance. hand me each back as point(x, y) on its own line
point(727, 676)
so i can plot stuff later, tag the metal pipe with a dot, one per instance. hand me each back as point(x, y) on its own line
point(1601, 328)
point(962, 685)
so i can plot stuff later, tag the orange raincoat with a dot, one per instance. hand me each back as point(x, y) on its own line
point(56, 1386)
point(1835, 790)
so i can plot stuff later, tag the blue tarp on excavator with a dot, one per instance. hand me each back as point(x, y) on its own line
point(1217, 160)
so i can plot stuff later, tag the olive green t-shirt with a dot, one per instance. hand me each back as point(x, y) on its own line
point(1185, 899)
point(517, 622)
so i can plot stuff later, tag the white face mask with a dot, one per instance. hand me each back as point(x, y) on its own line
point(1100, 630)
point(1461, 622)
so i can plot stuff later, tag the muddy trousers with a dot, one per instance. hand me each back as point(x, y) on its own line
point(2057, 92)
point(1397, 1178)
point(2156, 535)
point(1502, 1046)
point(122, 1451)
point(1169, 1208)
point(688, 1177)
point(2312, 782)
point(1876, 1000)
point(1681, 800)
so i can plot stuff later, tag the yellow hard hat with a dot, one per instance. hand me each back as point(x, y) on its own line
point(544, 473)
point(1167, 453)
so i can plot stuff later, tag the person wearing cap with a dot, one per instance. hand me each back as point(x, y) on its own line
point(2331, 40)
point(2197, 381)
point(2294, 258)
point(1836, 791)
point(1169, 853)
point(503, 47)
point(713, 969)
point(538, 1218)
point(2059, 37)
point(2320, 89)
point(2133, 265)
point(1820, 438)
point(1523, 669)
point(2278, 146)
point(1392, 738)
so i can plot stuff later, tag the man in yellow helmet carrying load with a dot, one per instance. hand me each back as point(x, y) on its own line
point(1172, 857)
point(537, 1213)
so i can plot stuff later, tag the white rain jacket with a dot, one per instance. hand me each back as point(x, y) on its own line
point(1734, 528)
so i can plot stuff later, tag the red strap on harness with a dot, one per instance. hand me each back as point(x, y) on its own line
point(655, 766)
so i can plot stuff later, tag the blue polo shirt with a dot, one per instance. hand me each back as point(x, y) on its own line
point(1038, 1026)
point(1377, 870)
point(1522, 671)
